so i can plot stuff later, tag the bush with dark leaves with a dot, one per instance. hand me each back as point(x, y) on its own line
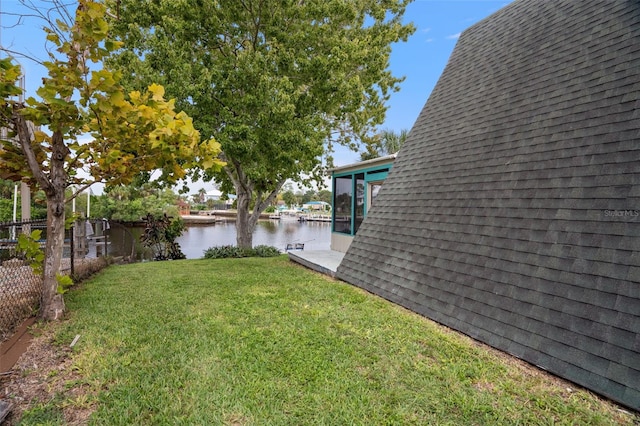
point(223, 252)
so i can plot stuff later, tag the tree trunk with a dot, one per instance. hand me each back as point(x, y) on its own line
point(52, 302)
point(245, 221)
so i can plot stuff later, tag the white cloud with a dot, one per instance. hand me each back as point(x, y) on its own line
point(429, 40)
point(454, 36)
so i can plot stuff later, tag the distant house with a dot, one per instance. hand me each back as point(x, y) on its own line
point(316, 206)
point(183, 208)
point(512, 212)
point(355, 186)
point(213, 195)
point(216, 196)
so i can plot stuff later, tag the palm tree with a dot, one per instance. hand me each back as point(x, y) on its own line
point(386, 142)
point(201, 195)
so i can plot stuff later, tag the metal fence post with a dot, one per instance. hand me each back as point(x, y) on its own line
point(72, 246)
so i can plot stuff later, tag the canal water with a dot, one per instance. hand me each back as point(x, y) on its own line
point(277, 233)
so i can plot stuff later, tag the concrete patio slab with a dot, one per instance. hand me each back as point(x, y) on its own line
point(323, 261)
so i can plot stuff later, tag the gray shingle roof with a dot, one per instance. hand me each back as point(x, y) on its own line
point(512, 212)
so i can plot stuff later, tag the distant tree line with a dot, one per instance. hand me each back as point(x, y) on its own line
point(38, 203)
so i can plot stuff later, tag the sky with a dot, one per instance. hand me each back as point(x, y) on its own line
point(420, 60)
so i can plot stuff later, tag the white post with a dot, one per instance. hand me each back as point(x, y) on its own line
point(15, 211)
point(15, 202)
point(88, 202)
point(25, 193)
point(25, 201)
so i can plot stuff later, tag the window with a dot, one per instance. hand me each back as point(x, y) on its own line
point(342, 204)
point(353, 193)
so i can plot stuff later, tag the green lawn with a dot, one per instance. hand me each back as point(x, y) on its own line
point(266, 342)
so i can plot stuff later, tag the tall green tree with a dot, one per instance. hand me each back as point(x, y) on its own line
point(289, 198)
point(130, 133)
point(309, 195)
point(384, 143)
point(131, 203)
point(325, 195)
point(278, 83)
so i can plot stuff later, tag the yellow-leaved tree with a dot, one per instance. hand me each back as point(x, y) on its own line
point(129, 133)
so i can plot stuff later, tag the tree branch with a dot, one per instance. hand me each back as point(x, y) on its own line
point(79, 191)
point(263, 204)
point(24, 138)
point(15, 54)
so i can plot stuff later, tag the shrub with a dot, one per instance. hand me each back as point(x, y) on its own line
point(159, 236)
point(266, 251)
point(223, 252)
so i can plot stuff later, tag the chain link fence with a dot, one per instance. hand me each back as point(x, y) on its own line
point(87, 249)
point(20, 288)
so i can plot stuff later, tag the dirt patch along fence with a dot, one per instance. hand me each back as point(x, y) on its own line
point(86, 250)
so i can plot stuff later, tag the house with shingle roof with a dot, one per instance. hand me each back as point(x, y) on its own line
point(512, 212)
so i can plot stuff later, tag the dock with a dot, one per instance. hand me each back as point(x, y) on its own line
point(201, 219)
point(314, 218)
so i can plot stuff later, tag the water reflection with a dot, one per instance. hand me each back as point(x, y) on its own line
point(315, 236)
